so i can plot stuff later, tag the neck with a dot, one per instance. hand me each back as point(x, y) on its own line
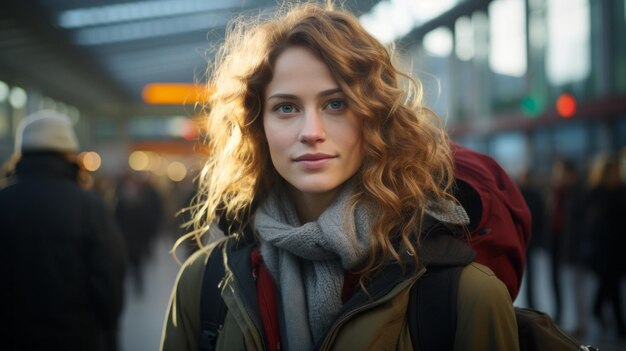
point(310, 206)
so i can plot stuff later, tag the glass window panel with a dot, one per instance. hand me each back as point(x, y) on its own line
point(474, 143)
point(571, 141)
point(509, 149)
point(434, 78)
point(480, 22)
point(536, 30)
point(568, 57)
point(507, 54)
point(392, 19)
point(464, 38)
point(438, 42)
point(542, 150)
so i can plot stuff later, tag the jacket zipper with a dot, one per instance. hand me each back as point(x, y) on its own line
point(249, 313)
point(234, 289)
point(330, 337)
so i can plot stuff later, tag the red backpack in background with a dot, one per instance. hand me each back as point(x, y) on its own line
point(499, 217)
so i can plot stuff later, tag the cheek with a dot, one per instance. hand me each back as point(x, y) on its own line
point(276, 143)
point(268, 131)
point(272, 137)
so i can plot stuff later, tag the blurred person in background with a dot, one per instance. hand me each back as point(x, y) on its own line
point(605, 209)
point(564, 215)
point(139, 214)
point(63, 261)
point(104, 184)
point(536, 204)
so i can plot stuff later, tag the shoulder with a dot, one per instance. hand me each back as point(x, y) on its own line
point(192, 270)
point(486, 317)
point(189, 281)
point(477, 280)
point(182, 324)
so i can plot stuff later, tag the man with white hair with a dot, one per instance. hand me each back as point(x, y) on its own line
point(63, 259)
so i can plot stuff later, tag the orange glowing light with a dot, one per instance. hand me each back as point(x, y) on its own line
point(566, 105)
point(90, 161)
point(174, 93)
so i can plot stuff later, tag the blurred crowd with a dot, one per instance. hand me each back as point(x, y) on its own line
point(74, 238)
point(577, 214)
point(146, 207)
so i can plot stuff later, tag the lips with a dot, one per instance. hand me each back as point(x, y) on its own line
point(313, 157)
point(314, 161)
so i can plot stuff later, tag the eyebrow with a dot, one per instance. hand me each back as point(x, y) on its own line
point(294, 97)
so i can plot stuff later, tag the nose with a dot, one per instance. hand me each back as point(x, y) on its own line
point(313, 128)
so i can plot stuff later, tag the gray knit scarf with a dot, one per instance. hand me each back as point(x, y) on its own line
point(308, 261)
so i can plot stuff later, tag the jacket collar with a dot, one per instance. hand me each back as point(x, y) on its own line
point(238, 252)
point(440, 247)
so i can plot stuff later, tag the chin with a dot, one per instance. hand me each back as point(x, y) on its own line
point(317, 188)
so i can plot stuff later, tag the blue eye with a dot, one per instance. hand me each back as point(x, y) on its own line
point(285, 108)
point(336, 105)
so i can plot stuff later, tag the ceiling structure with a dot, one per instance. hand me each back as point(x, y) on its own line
point(99, 54)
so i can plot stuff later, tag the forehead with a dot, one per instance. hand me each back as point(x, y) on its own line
point(297, 68)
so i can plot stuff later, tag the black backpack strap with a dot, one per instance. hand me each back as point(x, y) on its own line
point(212, 307)
point(432, 311)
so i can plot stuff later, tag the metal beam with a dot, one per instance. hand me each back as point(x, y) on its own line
point(447, 19)
point(83, 80)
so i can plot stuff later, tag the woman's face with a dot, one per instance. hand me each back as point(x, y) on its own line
point(314, 139)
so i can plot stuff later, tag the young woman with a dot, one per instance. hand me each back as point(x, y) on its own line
point(337, 175)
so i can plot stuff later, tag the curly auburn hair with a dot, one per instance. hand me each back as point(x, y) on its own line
point(407, 156)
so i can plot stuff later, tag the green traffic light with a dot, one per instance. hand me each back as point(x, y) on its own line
point(531, 106)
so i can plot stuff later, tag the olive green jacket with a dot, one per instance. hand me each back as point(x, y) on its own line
point(485, 314)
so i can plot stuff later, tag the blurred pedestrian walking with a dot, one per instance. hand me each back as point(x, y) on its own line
point(139, 214)
point(63, 261)
point(604, 227)
point(565, 211)
point(536, 204)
